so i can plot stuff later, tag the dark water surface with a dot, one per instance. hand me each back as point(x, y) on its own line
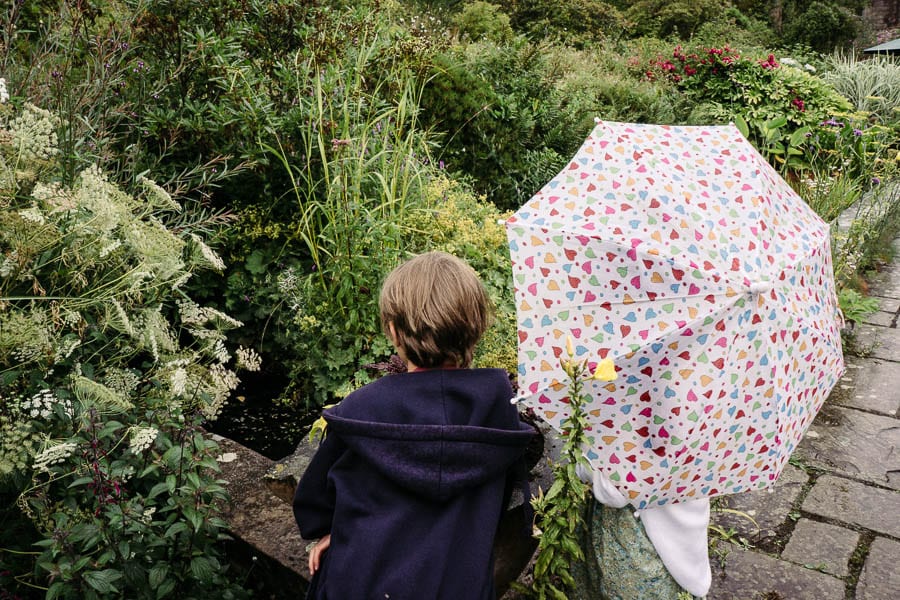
point(260, 421)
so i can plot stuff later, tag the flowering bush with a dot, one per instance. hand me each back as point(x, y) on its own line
point(107, 370)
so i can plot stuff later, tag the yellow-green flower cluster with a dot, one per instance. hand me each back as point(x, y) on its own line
point(33, 134)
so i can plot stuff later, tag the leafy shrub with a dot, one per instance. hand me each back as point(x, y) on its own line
point(577, 23)
point(107, 371)
point(483, 20)
point(823, 26)
point(872, 85)
point(671, 18)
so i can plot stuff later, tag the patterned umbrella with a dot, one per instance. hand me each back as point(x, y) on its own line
point(681, 254)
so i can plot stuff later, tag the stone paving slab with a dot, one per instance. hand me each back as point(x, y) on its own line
point(880, 318)
point(855, 503)
point(749, 575)
point(769, 508)
point(872, 385)
point(854, 443)
point(821, 546)
point(878, 342)
point(886, 283)
point(886, 303)
point(880, 578)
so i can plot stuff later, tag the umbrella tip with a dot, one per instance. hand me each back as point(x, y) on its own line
point(597, 120)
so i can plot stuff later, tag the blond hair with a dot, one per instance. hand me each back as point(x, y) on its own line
point(438, 308)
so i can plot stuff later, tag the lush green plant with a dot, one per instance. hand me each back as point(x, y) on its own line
point(872, 86)
point(577, 23)
point(107, 370)
point(824, 26)
point(855, 306)
point(668, 18)
point(482, 20)
point(558, 513)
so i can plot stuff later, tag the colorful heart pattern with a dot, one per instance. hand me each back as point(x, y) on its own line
point(681, 254)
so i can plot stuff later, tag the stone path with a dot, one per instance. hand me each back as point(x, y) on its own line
point(830, 527)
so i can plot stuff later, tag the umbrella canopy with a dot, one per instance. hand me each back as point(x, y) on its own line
point(681, 254)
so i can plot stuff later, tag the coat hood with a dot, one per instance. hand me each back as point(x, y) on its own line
point(437, 461)
point(434, 432)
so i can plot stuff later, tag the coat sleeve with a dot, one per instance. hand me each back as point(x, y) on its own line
point(314, 497)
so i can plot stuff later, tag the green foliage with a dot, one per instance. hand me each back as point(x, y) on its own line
point(443, 216)
point(577, 23)
point(855, 306)
point(107, 370)
point(823, 26)
point(483, 21)
point(872, 85)
point(559, 512)
point(671, 18)
point(777, 107)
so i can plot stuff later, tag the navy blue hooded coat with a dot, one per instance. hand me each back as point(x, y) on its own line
point(410, 482)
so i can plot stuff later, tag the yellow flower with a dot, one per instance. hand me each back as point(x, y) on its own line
point(319, 429)
point(570, 346)
point(605, 370)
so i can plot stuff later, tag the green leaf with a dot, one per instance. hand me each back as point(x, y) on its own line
point(742, 126)
point(102, 581)
point(202, 568)
point(55, 590)
point(158, 575)
point(81, 481)
point(158, 489)
point(165, 588)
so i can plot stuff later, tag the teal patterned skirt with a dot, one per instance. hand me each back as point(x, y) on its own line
point(620, 562)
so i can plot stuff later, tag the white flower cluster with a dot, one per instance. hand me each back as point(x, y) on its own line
point(248, 359)
point(123, 381)
point(121, 321)
point(194, 314)
point(158, 196)
point(65, 349)
point(287, 281)
point(53, 455)
point(109, 206)
point(10, 264)
point(208, 253)
point(53, 196)
point(223, 381)
point(178, 380)
point(220, 352)
point(156, 334)
point(33, 133)
point(4, 93)
point(793, 63)
point(40, 405)
point(160, 250)
point(110, 248)
point(33, 214)
point(141, 438)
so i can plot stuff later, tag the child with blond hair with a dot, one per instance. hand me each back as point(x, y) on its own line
point(407, 489)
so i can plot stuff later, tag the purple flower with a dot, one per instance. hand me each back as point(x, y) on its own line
point(876, 180)
point(857, 132)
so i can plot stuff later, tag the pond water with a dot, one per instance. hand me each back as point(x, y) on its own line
point(254, 418)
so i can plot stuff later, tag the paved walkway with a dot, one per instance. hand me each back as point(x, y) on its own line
point(830, 527)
